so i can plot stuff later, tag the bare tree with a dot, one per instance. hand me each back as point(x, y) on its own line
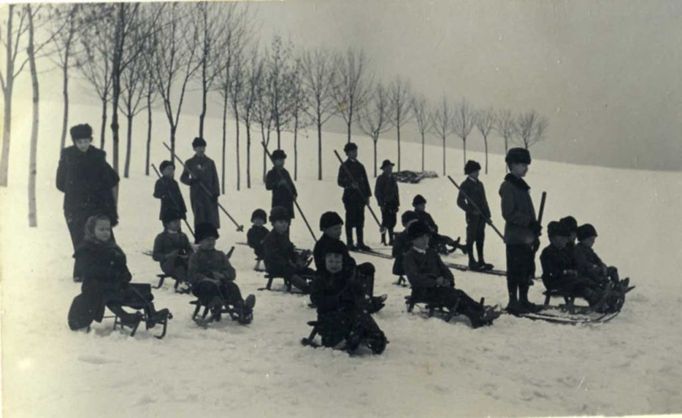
point(442, 125)
point(298, 109)
point(506, 126)
point(263, 110)
point(11, 39)
point(375, 117)
point(174, 61)
point(463, 122)
point(235, 90)
point(319, 78)
point(485, 122)
point(280, 69)
point(530, 128)
point(422, 115)
point(399, 93)
point(248, 104)
point(352, 88)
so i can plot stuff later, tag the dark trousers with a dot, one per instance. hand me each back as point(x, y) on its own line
point(475, 235)
point(176, 267)
point(228, 291)
point(450, 297)
point(388, 221)
point(520, 270)
point(355, 218)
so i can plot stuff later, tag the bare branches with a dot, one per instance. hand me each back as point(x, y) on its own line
point(422, 116)
point(485, 122)
point(351, 91)
point(505, 126)
point(463, 122)
point(375, 117)
point(531, 128)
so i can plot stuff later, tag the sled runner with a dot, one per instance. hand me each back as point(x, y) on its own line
point(431, 309)
point(210, 298)
point(144, 312)
point(176, 286)
point(374, 339)
point(570, 319)
point(270, 277)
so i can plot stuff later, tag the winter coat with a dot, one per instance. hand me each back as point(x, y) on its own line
point(334, 292)
point(401, 244)
point(281, 194)
point(555, 262)
point(476, 192)
point(320, 251)
point(422, 269)
point(517, 211)
point(386, 191)
point(172, 203)
point(254, 237)
point(167, 246)
point(354, 196)
point(204, 199)
point(279, 253)
point(588, 262)
point(105, 275)
point(426, 218)
point(204, 263)
point(87, 181)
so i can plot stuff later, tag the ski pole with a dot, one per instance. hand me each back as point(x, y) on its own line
point(487, 219)
point(536, 244)
point(174, 202)
point(240, 228)
point(291, 192)
point(350, 176)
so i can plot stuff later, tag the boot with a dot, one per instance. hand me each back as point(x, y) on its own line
point(527, 305)
point(383, 238)
point(390, 236)
point(513, 307)
point(349, 239)
point(246, 310)
point(473, 264)
point(361, 241)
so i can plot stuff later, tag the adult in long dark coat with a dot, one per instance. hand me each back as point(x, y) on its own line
point(279, 181)
point(167, 189)
point(472, 200)
point(88, 183)
point(356, 194)
point(388, 198)
point(201, 176)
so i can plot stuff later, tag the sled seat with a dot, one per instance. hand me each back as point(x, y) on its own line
point(176, 287)
point(432, 309)
point(212, 302)
point(272, 277)
point(569, 299)
point(142, 306)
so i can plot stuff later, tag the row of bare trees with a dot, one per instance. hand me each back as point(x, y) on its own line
point(136, 57)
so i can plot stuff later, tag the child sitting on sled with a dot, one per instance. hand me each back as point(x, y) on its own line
point(172, 248)
point(588, 262)
point(439, 242)
point(256, 234)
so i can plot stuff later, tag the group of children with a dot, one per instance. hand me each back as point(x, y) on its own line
point(342, 290)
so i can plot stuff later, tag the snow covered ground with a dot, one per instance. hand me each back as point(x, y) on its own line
point(632, 365)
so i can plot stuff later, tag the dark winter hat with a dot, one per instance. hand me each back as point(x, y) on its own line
point(471, 167)
point(279, 213)
point(350, 147)
point(334, 247)
point(418, 200)
point(278, 154)
point(198, 142)
point(386, 163)
point(205, 230)
point(570, 223)
point(417, 230)
point(408, 216)
point(586, 231)
point(329, 219)
point(259, 214)
point(165, 164)
point(81, 131)
point(518, 155)
point(557, 229)
point(170, 215)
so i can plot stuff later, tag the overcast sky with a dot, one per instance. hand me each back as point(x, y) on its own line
point(606, 73)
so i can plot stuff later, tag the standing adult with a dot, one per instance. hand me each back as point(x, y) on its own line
point(201, 176)
point(472, 200)
point(88, 183)
point(279, 181)
point(388, 198)
point(356, 193)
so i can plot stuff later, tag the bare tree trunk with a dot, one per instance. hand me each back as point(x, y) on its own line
point(129, 140)
point(236, 120)
point(222, 154)
point(485, 144)
point(464, 148)
point(172, 141)
point(248, 155)
point(374, 142)
point(65, 92)
point(204, 95)
point(423, 150)
point(296, 148)
point(32, 208)
point(444, 156)
point(116, 82)
point(348, 125)
point(279, 136)
point(319, 149)
point(149, 133)
point(6, 132)
point(506, 145)
point(103, 129)
point(398, 133)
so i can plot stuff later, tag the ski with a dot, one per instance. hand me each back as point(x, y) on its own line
point(569, 319)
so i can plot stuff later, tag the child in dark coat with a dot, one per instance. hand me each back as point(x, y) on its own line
point(588, 262)
point(402, 244)
point(439, 242)
point(167, 190)
point(279, 181)
point(472, 200)
point(256, 234)
point(106, 281)
point(280, 255)
point(172, 248)
point(213, 278)
point(433, 283)
point(388, 197)
point(343, 308)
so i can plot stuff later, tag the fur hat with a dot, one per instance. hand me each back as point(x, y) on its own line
point(259, 214)
point(279, 213)
point(570, 223)
point(408, 216)
point(329, 219)
point(417, 230)
point(350, 147)
point(518, 155)
point(557, 229)
point(334, 247)
point(81, 131)
point(165, 164)
point(418, 200)
point(278, 154)
point(586, 231)
point(205, 230)
point(471, 167)
point(170, 215)
point(386, 163)
point(198, 142)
